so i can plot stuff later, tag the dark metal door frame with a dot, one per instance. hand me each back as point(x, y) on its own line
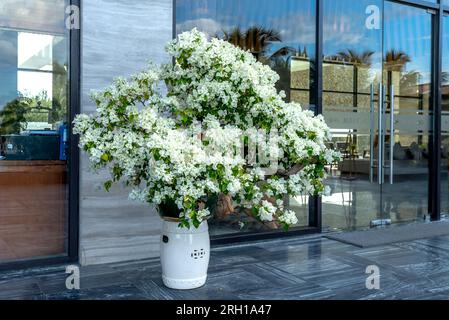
point(72, 255)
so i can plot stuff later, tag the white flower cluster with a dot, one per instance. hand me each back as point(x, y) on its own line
point(267, 211)
point(185, 147)
point(215, 77)
point(288, 217)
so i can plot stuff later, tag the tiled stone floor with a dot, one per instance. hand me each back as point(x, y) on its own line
point(296, 268)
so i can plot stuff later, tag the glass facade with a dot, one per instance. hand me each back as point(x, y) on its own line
point(34, 105)
point(278, 33)
point(376, 93)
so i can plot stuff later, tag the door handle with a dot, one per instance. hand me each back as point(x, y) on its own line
point(371, 135)
point(380, 136)
point(392, 96)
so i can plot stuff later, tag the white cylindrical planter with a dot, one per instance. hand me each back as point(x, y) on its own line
point(184, 255)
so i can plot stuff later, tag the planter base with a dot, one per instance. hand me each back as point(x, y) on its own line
point(184, 284)
point(184, 255)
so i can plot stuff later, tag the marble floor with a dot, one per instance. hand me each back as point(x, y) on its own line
point(300, 268)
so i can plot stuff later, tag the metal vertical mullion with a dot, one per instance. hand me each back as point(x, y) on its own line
point(74, 155)
point(174, 29)
point(435, 141)
point(315, 208)
point(318, 87)
point(391, 158)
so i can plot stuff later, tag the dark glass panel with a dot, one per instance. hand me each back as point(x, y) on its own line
point(407, 67)
point(352, 64)
point(278, 33)
point(34, 64)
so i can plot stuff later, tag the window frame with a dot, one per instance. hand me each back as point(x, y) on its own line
point(73, 163)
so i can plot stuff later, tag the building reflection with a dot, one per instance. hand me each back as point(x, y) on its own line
point(280, 34)
point(357, 58)
point(34, 110)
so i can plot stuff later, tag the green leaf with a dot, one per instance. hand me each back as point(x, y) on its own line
point(89, 145)
point(108, 185)
point(105, 157)
point(255, 211)
point(184, 224)
point(118, 173)
point(196, 223)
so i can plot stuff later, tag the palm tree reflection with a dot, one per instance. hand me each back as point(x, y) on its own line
point(396, 60)
point(260, 42)
point(357, 59)
point(255, 39)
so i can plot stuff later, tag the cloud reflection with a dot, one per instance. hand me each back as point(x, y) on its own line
point(39, 15)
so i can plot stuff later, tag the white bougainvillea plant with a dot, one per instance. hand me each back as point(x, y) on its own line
point(184, 146)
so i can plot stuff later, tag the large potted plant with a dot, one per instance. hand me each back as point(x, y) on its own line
point(178, 147)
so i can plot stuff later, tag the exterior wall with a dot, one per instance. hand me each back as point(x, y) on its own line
point(118, 38)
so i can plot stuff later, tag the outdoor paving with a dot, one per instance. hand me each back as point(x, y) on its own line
point(297, 268)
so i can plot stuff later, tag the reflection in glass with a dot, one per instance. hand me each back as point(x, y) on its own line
point(407, 67)
point(351, 67)
point(41, 16)
point(280, 34)
point(33, 129)
point(357, 58)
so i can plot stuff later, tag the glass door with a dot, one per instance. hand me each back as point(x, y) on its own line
point(34, 121)
point(407, 123)
point(376, 99)
point(352, 78)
